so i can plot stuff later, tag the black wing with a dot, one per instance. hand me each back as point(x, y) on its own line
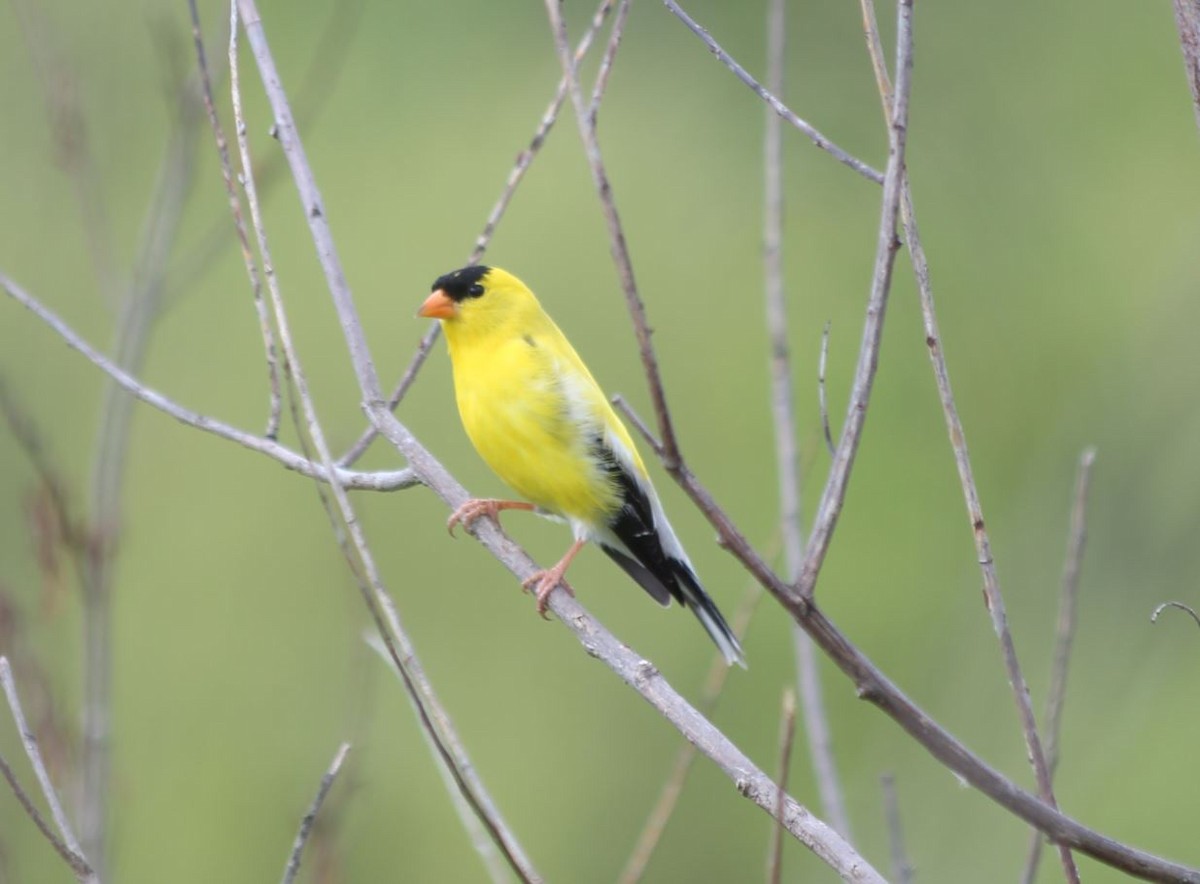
point(644, 559)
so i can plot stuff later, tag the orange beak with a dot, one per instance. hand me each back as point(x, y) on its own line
point(438, 306)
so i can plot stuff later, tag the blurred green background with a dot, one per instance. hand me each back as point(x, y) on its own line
point(1056, 172)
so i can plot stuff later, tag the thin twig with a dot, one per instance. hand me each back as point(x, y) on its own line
point(391, 480)
point(874, 686)
point(1065, 634)
point(993, 598)
point(606, 62)
point(1179, 606)
point(432, 715)
point(616, 235)
point(493, 860)
point(668, 797)
point(787, 449)
point(821, 400)
point(77, 863)
point(902, 870)
point(275, 400)
point(780, 108)
point(787, 735)
point(74, 855)
point(306, 823)
point(1187, 19)
point(834, 494)
point(524, 159)
point(326, 63)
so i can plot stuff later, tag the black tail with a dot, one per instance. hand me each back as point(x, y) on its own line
point(653, 557)
point(676, 579)
point(706, 612)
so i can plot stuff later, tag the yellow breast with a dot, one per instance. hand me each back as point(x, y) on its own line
point(521, 407)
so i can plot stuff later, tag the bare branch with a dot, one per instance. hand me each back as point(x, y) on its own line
point(888, 243)
point(326, 63)
point(68, 847)
point(1179, 605)
point(606, 62)
point(902, 871)
point(787, 735)
point(77, 863)
point(431, 714)
point(275, 401)
point(616, 235)
point(816, 721)
point(993, 598)
point(524, 160)
point(668, 797)
point(1187, 19)
point(306, 823)
point(873, 686)
point(493, 860)
point(1065, 634)
point(780, 108)
point(393, 480)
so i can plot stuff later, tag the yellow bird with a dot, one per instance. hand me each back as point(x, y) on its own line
point(540, 421)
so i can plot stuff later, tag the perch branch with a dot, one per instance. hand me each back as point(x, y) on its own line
point(431, 714)
point(668, 796)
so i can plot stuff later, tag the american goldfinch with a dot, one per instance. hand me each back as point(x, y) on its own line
point(540, 421)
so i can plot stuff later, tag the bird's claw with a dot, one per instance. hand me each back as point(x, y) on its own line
point(470, 512)
point(542, 583)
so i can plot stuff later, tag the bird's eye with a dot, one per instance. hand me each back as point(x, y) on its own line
point(475, 291)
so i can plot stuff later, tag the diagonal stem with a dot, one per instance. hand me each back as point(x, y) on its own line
point(993, 597)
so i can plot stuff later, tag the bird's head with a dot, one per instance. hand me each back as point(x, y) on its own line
point(477, 297)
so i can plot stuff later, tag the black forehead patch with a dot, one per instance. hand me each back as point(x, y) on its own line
point(457, 284)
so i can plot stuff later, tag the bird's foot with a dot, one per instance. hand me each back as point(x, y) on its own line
point(477, 507)
point(543, 582)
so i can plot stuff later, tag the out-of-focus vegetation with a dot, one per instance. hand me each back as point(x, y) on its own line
point(1056, 173)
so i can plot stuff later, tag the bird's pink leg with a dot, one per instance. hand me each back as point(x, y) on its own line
point(545, 581)
point(476, 507)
